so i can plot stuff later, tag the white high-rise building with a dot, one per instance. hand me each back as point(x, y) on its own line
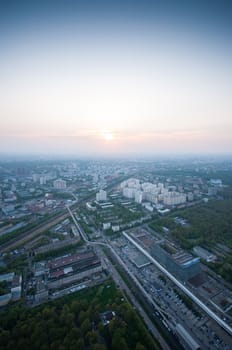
point(138, 196)
point(59, 184)
point(101, 196)
point(133, 183)
point(35, 177)
point(42, 180)
point(190, 196)
point(95, 178)
point(129, 192)
point(174, 198)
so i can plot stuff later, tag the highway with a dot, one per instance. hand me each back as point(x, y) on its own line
point(209, 312)
point(146, 302)
point(128, 295)
point(118, 278)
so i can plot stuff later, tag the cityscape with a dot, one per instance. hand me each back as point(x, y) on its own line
point(115, 175)
point(73, 225)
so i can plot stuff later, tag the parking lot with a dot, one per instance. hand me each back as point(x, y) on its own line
point(171, 306)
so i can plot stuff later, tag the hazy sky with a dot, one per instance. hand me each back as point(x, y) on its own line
point(116, 77)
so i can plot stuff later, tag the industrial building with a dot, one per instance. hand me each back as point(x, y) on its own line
point(71, 268)
point(181, 264)
point(204, 254)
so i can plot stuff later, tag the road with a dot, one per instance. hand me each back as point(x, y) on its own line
point(55, 219)
point(117, 278)
point(122, 285)
point(209, 312)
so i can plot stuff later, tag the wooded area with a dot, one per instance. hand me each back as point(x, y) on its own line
point(207, 225)
point(73, 322)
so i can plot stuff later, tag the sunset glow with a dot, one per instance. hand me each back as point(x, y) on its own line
point(148, 83)
point(108, 136)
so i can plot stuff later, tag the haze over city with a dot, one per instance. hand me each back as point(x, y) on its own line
point(116, 78)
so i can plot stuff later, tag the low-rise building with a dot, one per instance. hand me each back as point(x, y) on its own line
point(13, 287)
point(106, 225)
point(72, 268)
point(204, 254)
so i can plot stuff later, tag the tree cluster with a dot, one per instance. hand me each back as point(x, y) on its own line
point(75, 324)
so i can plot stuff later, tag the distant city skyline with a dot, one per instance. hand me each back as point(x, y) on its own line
point(120, 78)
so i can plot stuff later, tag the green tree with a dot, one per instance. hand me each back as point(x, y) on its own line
point(139, 346)
point(98, 347)
point(85, 326)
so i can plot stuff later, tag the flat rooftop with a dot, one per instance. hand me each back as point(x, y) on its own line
point(83, 266)
point(183, 258)
point(140, 261)
point(71, 259)
point(146, 240)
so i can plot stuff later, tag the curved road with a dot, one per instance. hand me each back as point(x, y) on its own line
point(143, 314)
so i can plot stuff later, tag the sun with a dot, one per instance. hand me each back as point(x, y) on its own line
point(107, 136)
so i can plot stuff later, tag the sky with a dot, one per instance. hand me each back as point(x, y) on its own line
point(116, 77)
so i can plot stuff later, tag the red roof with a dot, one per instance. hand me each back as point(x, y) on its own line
point(67, 260)
point(57, 274)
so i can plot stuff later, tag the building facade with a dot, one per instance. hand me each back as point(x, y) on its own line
point(182, 265)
